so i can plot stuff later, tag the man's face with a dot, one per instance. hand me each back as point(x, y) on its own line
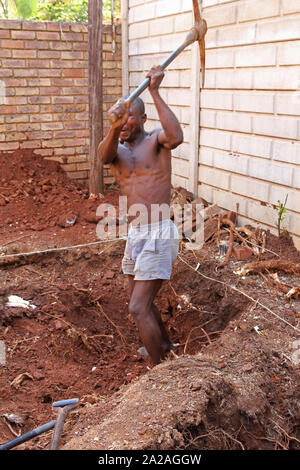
point(134, 124)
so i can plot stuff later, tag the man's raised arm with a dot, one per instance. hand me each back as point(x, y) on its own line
point(171, 135)
point(107, 149)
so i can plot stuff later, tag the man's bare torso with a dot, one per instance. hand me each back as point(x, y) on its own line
point(143, 173)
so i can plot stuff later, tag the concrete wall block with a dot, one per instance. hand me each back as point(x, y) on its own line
point(208, 118)
point(296, 178)
point(214, 177)
point(285, 151)
point(183, 151)
point(254, 102)
point(277, 78)
point(231, 162)
point(185, 115)
point(229, 201)
point(220, 15)
point(288, 103)
point(180, 167)
point(256, 55)
point(234, 121)
point(219, 58)
point(234, 79)
point(180, 181)
point(214, 138)
point(177, 98)
point(252, 145)
point(294, 224)
point(269, 171)
point(236, 35)
point(183, 22)
point(173, 41)
point(216, 99)
point(162, 26)
point(138, 30)
point(206, 156)
point(205, 191)
point(143, 12)
point(290, 6)
point(257, 9)
point(167, 8)
point(264, 214)
point(279, 193)
point(185, 78)
point(275, 126)
point(289, 53)
point(278, 30)
point(250, 188)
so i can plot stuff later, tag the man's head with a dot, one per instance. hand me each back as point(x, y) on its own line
point(136, 120)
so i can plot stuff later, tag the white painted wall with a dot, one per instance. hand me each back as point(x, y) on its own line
point(248, 151)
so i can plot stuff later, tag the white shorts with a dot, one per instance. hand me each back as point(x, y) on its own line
point(151, 251)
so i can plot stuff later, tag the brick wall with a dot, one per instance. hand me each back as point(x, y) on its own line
point(248, 150)
point(44, 90)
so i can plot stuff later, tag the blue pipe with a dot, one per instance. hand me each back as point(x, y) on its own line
point(29, 435)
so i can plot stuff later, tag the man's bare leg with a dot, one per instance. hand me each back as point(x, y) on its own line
point(167, 343)
point(150, 326)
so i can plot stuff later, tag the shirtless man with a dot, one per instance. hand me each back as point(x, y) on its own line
point(141, 164)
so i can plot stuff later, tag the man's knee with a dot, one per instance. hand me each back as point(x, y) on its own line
point(135, 308)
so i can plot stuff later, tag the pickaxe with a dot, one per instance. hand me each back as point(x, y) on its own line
point(197, 33)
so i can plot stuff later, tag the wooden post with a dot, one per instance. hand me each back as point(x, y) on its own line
point(96, 184)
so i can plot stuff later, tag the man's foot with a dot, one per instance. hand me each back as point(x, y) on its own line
point(143, 351)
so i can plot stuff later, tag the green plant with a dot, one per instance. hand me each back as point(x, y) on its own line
point(54, 10)
point(281, 211)
point(23, 9)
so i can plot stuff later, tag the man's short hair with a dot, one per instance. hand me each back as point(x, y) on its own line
point(137, 102)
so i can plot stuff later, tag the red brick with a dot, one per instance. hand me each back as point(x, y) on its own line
point(49, 73)
point(24, 54)
point(27, 91)
point(12, 44)
point(14, 82)
point(39, 64)
point(64, 134)
point(73, 72)
point(4, 34)
point(51, 36)
point(54, 26)
point(73, 37)
point(34, 25)
point(51, 126)
point(5, 53)
point(10, 24)
point(62, 99)
point(23, 35)
point(15, 136)
point(38, 99)
point(48, 54)
point(75, 90)
point(61, 82)
point(28, 109)
point(36, 44)
point(7, 109)
point(11, 100)
point(9, 146)
point(31, 144)
point(13, 63)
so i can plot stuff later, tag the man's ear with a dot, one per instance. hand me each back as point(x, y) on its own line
point(144, 118)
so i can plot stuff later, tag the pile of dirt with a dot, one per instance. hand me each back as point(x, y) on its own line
point(235, 382)
point(36, 194)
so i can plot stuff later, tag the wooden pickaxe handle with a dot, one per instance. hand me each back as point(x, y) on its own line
point(197, 33)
